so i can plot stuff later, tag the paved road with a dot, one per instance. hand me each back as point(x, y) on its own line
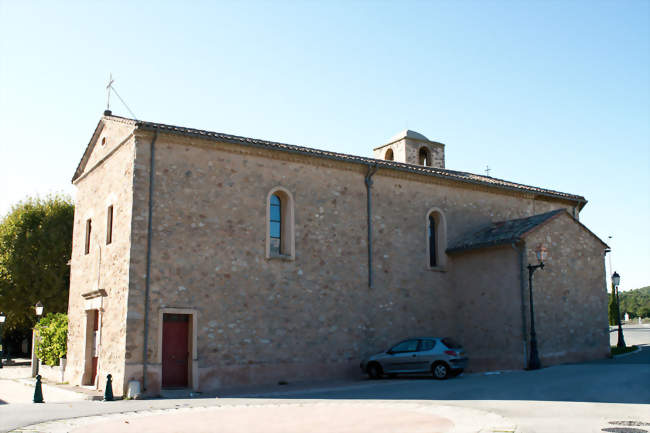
point(575, 398)
point(569, 398)
point(632, 334)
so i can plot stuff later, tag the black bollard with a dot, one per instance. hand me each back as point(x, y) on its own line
point(38, 392)
point(108, 392)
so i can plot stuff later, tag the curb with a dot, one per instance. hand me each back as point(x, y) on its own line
point(638, 349)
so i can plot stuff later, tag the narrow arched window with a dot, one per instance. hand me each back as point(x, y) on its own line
point(432, 242)
point(424, 157)
point(275, 224)
point(389, 155)
point(280, 224)
point(436, 238)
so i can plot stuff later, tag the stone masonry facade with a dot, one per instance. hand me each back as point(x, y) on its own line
point(108, 181)
point(259, 319)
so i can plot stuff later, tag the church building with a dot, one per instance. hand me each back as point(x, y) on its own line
point(204, 260)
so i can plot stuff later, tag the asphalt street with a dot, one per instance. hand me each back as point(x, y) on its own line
point(632, 334)
point(588, 397)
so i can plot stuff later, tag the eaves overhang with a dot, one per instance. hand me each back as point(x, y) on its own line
point(511, 232)
point(450, 175)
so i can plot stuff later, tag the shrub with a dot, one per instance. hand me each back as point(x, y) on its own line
point(51, 343)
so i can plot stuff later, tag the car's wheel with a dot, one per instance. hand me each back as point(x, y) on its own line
point(440, 370)
point(374, 371)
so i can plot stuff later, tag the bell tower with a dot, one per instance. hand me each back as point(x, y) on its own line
point(414, 148)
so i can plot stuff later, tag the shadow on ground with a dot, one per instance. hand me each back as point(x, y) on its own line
point(619, 380)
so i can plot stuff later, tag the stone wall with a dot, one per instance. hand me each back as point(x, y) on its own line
point(105, 267)
point(112, 134)
point(570, 299)
point(436, 151)
point(570, 295)
point(407, 150)
point(488, 309)
point(262, 320)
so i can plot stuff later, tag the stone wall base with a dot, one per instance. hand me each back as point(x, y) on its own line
point(212, 378)
point(220, 377)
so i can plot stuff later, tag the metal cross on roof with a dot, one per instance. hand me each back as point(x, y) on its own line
point(108, 91)
point(487, 170)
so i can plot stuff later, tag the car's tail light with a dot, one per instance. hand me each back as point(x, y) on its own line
point(451, 353)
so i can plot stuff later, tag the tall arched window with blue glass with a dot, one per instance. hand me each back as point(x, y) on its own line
point(275, 225)
point(280, 224)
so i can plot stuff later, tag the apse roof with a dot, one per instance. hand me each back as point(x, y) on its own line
point(506, 232)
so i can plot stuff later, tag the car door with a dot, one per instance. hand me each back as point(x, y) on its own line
point(402, 357)
point(425, 355)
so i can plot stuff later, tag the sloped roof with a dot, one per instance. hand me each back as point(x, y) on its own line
point(89, 148)
point(502, 232)
point(407, 133)
point(505, 232)
point(452, 175)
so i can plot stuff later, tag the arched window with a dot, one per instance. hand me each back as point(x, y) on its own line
point(432, 242)
point(424, 157)
point(275, 224)
point(436, 239)
point(389, 155)
point(280, 224)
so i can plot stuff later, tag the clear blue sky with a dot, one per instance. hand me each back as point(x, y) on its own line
point(553, 94)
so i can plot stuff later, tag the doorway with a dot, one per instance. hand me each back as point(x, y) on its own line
point(175, 350)
point(92, 346)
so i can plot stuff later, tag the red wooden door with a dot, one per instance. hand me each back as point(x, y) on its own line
point(175, 352)
point(95, 348)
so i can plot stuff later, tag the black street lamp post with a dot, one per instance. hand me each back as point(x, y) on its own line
point(616, 279)
point(3, 317)
point(534, 363)
point(38, 309)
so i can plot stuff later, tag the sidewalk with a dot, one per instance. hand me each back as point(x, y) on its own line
point(17, 386)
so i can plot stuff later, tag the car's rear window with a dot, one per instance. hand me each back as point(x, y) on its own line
point(427, 345)
point(451, 343)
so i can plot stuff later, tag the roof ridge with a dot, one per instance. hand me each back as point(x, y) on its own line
point(549, 213)
point(503, 232)
point(461, 176)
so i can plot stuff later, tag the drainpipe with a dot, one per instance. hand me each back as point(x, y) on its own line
point(147, 282)
point(372, 169)
point(520, 247)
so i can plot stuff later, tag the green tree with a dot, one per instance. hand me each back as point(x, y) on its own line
point(52, 338)
point(635, 302)
point(612, 309)
point(35, 247)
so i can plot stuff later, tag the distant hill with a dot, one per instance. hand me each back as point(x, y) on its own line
point(636, 302)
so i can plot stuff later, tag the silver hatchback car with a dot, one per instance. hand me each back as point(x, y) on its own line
point(441, 357)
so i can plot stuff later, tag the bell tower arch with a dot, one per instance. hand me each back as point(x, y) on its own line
point(411, 147)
